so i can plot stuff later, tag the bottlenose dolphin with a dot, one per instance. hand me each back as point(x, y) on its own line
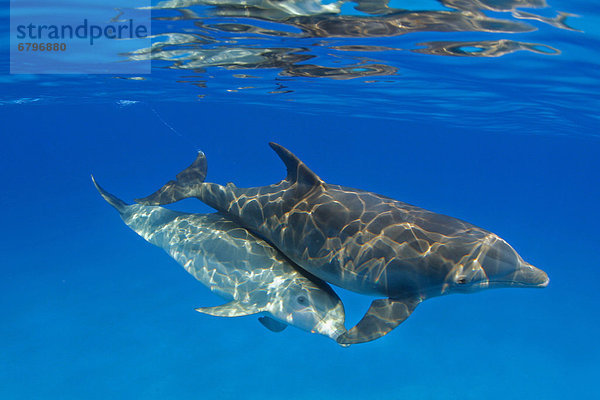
point(237, 266)
point(362, 241)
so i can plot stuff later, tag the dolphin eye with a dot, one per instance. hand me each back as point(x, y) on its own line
point(301, 300)
point(461, 280)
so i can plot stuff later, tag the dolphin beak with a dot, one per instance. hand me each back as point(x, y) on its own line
point(331, 327)
point(505, 268)
point(332, 331)
point(339, 332)
point(530, 276)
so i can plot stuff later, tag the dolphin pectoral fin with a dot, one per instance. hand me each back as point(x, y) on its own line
point(182, 188)
point(383, 316)
point(231, 309)
point(271, 324)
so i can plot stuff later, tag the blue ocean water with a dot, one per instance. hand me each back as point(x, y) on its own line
point(483, 110)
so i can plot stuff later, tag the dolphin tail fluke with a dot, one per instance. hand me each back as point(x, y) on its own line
point(182, 187)
point(114, 201)
point(381, 318)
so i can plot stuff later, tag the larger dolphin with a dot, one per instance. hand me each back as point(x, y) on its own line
point(362, 241)
point(237, 266)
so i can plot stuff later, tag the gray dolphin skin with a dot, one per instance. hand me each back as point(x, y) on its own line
point(362, 241)
point(239, 267)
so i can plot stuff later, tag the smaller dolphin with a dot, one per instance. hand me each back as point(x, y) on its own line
point(239, 267)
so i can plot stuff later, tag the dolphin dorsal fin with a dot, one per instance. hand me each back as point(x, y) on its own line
point(231, 309)
point(297, 171)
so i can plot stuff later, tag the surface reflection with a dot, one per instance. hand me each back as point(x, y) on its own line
point(342, 39)
point(485, 48)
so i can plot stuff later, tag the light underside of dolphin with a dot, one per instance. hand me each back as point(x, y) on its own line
point(238, 266)
point(362, 241)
